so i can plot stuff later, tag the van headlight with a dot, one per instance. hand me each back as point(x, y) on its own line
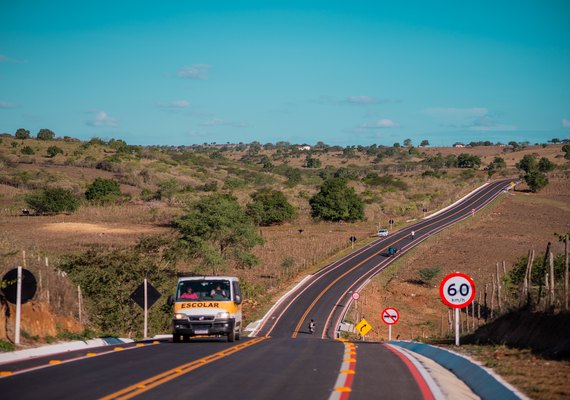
point(223, 315)
point(180, 316)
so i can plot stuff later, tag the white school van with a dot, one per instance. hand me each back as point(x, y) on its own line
point(207, 306)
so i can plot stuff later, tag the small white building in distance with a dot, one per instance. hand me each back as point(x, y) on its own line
point(304, 147)
point(458, 144)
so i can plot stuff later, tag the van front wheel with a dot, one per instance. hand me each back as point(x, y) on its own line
point(231, 336)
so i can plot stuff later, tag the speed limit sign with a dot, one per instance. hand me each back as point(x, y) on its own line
point(457, 290)
point(355, 296)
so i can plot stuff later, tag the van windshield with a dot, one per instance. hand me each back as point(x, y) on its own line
point(204, 290)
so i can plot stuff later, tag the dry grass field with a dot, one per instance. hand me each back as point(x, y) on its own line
point(503, 232)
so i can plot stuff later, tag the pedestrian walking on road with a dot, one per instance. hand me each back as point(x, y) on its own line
point(413, 234)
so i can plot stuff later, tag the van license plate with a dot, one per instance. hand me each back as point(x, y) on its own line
point(201, 331)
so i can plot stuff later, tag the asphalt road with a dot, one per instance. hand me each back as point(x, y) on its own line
point(284, 361)
point(325, 297)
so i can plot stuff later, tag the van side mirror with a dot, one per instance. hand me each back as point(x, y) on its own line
point(170, 300)
point(237, 299)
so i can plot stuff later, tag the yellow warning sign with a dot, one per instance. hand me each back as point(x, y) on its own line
point(363, 327)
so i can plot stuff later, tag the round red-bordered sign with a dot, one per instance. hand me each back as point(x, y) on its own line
point(355, 296)
point(390, 316)
point(457, 290)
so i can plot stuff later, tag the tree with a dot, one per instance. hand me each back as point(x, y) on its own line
point(269, 207)
point(45, 134)
point(337, 202)
point(22, 134)
point(109, 276)
point(52, 201)
point(527, 163)
point(468, 161)
point(311, 162)
point(496, 165)
point(217, 230)
point(545, 165)
point(53, 151)
point(534, 171)
point(408, 142)
point(103, 190)
point(424, 143)
point(536, 180)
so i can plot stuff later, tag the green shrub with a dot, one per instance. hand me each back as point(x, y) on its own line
point(270, 207)
point(6, 346)
point(52, 201)
point(53, 151)
point(427, 274)
point(27, 150)
point(337, 202)
point(103, 190)
point(45, 134)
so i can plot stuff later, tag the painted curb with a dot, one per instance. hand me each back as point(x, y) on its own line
point(482, 381)
point(59, 348)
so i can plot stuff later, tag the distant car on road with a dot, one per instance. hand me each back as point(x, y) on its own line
point(383, 232)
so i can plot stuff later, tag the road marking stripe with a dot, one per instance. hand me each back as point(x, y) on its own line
point(154, 381)
point(422, 384)
point(343, 384)
point(49, 364)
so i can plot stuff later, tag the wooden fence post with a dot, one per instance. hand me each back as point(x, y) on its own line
point(552, 298)
point(499, 307)
point(493, 296)
point(566, 272)
point(527, 281)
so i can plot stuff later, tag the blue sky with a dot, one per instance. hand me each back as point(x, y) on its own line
point(343, 72)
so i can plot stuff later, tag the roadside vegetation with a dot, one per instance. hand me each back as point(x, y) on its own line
point(267, 213)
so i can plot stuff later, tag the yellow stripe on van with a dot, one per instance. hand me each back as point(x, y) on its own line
point(228, 306)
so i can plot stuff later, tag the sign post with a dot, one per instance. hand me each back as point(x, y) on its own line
point(457, 290)
point(390, 316)
point(18, 306)
point(20, 287)
point(145, 295)
point(363, 327)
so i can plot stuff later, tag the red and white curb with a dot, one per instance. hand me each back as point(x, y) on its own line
point(343, 384)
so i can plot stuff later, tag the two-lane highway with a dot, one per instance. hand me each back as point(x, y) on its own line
point(283, 361)
point(326, 295)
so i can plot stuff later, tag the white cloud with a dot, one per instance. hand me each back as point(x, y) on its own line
point(380, 124)
point(175, 104)
point(6, 105)
point(565, 123)
point(194, 71)
point(102, 119)
point(223, 122)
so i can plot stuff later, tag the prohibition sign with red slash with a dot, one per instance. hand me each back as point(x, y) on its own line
point(390, 316)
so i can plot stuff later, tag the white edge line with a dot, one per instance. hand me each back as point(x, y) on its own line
point(430, 381)
point(23, 371)
point(458, 201)
point(277, 303)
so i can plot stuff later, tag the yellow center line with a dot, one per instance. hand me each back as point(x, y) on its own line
point(147, 384)
point(298, 327)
